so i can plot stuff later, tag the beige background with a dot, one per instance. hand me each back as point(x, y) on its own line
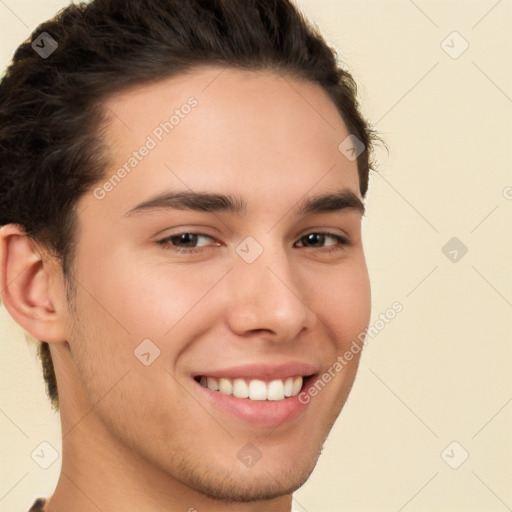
point(441, 370)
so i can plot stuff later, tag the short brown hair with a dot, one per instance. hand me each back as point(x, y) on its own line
point(51, 108)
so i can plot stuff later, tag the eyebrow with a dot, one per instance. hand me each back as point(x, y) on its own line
point(343, 199)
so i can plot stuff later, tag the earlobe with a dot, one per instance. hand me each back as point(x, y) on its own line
point(25, 284)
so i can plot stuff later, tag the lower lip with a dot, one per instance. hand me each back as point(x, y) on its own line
point(269, 413)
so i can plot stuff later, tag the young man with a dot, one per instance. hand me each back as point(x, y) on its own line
point(182, 188)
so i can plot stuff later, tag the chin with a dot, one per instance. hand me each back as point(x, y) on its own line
point(262, 482)
point(259, 486)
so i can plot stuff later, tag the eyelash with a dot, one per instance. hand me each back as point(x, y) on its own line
point(164, 243)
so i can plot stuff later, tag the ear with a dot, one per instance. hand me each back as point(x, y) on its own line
point(31, 286)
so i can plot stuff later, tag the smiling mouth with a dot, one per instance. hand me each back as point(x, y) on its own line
point(254, 389)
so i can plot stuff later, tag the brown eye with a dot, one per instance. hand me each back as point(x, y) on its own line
point(318, 240)
point(185, 242)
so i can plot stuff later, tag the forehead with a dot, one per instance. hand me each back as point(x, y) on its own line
point(225, 129)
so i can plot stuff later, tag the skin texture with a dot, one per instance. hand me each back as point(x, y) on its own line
point(141, 437)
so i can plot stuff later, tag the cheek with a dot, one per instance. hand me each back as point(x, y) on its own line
point(129, 301)
point(344, 303)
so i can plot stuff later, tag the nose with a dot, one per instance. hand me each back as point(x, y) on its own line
point(267, 297)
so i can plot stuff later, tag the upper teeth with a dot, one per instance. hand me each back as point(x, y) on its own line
point(255, 389)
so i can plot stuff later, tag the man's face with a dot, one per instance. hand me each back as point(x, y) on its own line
point(265, 294)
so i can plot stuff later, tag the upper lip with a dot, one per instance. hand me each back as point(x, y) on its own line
point(264, 371)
